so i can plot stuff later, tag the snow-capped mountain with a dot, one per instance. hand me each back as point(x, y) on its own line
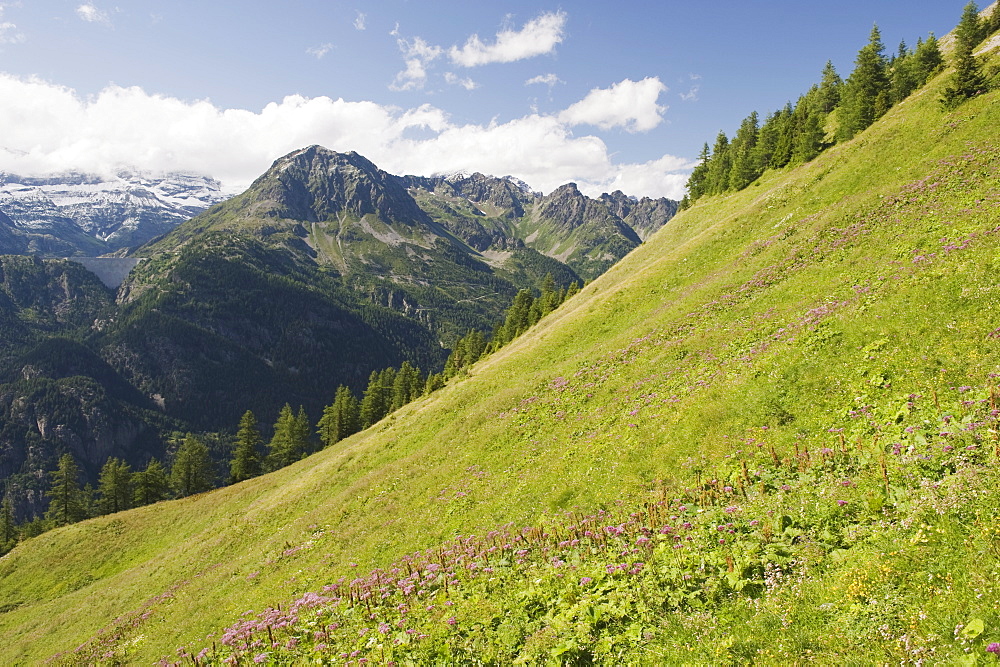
point(64, 213)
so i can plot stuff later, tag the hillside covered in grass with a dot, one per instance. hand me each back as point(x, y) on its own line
point(804, 371)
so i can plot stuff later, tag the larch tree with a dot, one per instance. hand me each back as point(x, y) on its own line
point(192, 469)
point(151, 485)
point(66, 499)
point(115, 486)
point(246, 454)
point(287, 444)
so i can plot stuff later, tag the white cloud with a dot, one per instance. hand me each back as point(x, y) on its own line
point(88, 12)
point(691, 95)
point(548, 79)
point(9, 34)
point(359, 21)
point(454, 79)
point(58, 130)
point(538, 37)
point(319, 51)
point(395, 30)
point(417, 55)
point(628, 104)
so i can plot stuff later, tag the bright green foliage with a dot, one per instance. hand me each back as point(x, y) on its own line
point(968, 80)
point(115, 486)
point(865, 94)
point(8, 529)
point(820, 299)
point(151, 485)
point(246, 455)
point(290, 441)
point(192, 469)
point(993, 25)
point(340, 418)
point(67, 503)
point(830, 539)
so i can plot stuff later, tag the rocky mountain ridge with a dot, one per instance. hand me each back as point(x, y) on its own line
point(86, 214)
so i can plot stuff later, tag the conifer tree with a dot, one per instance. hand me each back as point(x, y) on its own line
point(192, 469)
point(697, 182)
point(720, 166)
point(434, 382)
point(927, 60)
point(115, 486)
point(151, 485)
point(743, 170)
point(372, 406)
point(289, 442)
point(246, 455)
point(67, 503)
point(865, 94)
point(784, 146)
point(968, 80)
point(993, 24)
point(8, 528)
point(829, 89)
point(340, 418)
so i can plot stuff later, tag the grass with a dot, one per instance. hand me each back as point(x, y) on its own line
point(819, 299)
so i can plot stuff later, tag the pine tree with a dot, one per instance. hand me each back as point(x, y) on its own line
point(829, 89)
point(246, 455)
point(192, 469)
point(720, 166)
point(303, 432)
point(372, 407)
point(151, 485)
point(67, 503)
point(340, 418)
point(927, 60)
point(743, 171)
point(8, 529)
point(287, 444)
point(993, 24)
point(697, 182)
point(784, 146)
point(968, 80)
point(866, 92)
point(115, 486)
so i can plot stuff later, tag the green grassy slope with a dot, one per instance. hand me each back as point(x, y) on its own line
point(845, 284)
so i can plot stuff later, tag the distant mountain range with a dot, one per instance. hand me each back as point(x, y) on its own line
point(85, 214)
point(325, 269)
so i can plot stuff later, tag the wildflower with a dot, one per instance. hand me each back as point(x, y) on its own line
point(585, 580)
point(452, 621)
point(994, 648)
point(841, 502)
point(785, 487)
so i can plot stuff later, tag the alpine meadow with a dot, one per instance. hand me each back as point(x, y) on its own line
point(762, 430)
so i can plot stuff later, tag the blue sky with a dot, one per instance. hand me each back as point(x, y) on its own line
point(611, 95)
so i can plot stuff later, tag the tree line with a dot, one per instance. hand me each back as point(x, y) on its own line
point(836, 110)
point(194, 470)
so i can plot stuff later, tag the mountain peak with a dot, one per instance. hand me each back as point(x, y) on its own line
point(316, 183)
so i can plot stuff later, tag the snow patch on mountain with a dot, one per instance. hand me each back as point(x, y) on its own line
point(126, 210)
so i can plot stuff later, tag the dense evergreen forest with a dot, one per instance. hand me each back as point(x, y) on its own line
point(836, 109)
